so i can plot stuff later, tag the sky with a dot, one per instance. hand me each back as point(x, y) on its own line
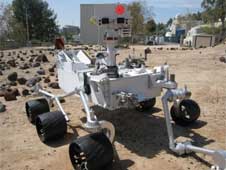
point(68, 11)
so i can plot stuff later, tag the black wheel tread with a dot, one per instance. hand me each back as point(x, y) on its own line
point(97, 148)
point(53, 124)
point(36, 107)
point(192, 109)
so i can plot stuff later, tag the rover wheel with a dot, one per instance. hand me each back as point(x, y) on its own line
point(187, 113)
point(51, 125)
point(146, 105)
point(91, 152)
point(35, 108)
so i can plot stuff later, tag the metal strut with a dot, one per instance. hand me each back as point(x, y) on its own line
point(38, 89)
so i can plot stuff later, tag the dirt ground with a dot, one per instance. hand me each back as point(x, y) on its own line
point(141, 141)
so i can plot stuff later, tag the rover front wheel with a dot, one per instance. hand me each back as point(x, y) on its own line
point(91, 152)
point(187, 112)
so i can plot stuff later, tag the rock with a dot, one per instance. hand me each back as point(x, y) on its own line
point(24, 66)
point(52, 70)
point(184, 49)
point(41, 72)
point(42, 58)
point(54, 85)
point(147, 51)
point(22, 81)
point(13, 83)
point(12, 63)
point(22, 59)
point(36, 64)
point(47, 80)
point(16, 92)
point(222, 59)
point(10, 95)
point(25, 92)
point(31, 82)
point(31, 60)
point(62, 100)
point(2, 107)
point(12, 76)
point(7, 67)
point(38, 79)
point(1, 73)
point(52, 74)
point(2, 92)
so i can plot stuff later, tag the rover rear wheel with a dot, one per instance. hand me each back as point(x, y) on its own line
point(35, 108)
point(187, 112)
point(146, 105)
point(51, 125)
point(91, 152)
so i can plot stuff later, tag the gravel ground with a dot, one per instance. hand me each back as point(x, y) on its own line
point(141, 139)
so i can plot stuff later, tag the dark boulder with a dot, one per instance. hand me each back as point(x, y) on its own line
point(25, 92)
point(47, 80)
point(31, 82)
point(54, 85)
point(2, 107)
point(12, 76)
point(36, 64)
point(41, 72)
point(42, 58)
point(22, 81)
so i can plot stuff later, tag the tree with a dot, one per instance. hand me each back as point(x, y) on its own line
point(141, 12)
point(37, 18)
point(215, 9)
point(147, 11)
point(160, 29)
point(3, 19)
point(135, 9)
point(169, 22)
point(10, 29)
point(150, 27)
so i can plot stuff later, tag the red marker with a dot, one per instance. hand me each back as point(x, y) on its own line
point(120, 9)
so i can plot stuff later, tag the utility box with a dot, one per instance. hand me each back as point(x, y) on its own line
point(199, 41)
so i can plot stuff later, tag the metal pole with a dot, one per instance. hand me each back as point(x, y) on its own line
point(168, 120)
point(199, 150)
point(27, 26)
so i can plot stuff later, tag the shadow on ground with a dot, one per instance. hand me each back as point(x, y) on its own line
point(145, 133)
point(142, 133)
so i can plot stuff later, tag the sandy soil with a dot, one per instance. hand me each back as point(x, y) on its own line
point(141, 138)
